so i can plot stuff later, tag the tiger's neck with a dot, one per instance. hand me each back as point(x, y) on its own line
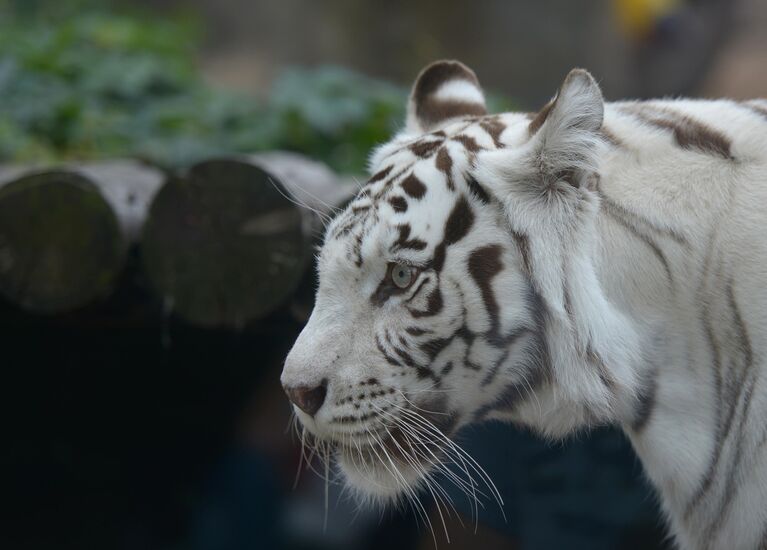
point(595, 354)
point(650, 307)
point(647, 265)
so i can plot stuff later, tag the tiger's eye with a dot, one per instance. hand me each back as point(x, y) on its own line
point(402, 275)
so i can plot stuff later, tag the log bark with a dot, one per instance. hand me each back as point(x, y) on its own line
point(229, 241)
point(64, 233)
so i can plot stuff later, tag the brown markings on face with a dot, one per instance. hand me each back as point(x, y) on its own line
point(432, 348)
point(389, 359)
point(494, 127)
point(424, 148)
point(404, 356)
point(445, 165)
point(457, 226)
point(399, 204)
point(413, 187)
point(387, 184)
point(434, 305)
point(459, 222)
point(485, 263)
point(404, 240)
point(468, 142)
point(381, 174)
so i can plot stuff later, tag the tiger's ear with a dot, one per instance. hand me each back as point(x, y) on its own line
point(566, 136)
point(444, 90)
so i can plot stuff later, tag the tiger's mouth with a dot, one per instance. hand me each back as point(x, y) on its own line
point(412, 438)
point(389, 457)
point(395, 461)
point(392, 446)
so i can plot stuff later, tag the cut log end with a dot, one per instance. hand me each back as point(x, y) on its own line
point(224, 244)
point(61, 245)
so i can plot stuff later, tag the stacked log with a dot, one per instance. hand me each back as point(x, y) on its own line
point(225, 242)
point(230, 241)
point(64, 233)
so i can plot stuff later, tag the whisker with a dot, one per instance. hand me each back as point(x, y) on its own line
point(325, 219)
point(473, 463)
point(409, 489)
point(418, 448)
point(427, 482)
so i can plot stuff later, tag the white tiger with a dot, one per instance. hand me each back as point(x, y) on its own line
point(596, 263)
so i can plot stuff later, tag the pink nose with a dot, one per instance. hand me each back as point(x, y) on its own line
point(308, 399)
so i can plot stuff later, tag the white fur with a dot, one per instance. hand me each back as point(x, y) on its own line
point(460, 90)
point(630, 312)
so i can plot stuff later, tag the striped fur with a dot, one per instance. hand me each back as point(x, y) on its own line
point(595, 263)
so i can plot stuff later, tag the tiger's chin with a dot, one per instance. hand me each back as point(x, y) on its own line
point(380, 480)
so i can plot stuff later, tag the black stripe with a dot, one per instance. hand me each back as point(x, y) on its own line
point(708, 477)
point(404, 240)
point(435, 110)
point(484, 264)
point(644, 238)
point(477, 190)
point(494, 128)
point(399, 204)
point(444, 163)
point(623, 212)
point(434, 305)
point(381, 174)
point(688, 133)
point(756, 108)
point(646, 402)
point(743, 399)
point(418, 290)
point(413, 187)
point(468, 142)
point(389, 359)
point(424, 148)
point(457, 225)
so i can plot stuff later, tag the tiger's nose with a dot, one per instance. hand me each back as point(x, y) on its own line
point(308, 399)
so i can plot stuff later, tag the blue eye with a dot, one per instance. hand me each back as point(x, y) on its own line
point(402, 275)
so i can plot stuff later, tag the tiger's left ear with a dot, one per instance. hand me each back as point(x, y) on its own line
point(443, 91)
point(566, 133)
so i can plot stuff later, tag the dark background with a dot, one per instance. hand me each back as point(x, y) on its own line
point(126, 426)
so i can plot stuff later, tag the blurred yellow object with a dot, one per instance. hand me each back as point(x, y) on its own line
point(638, 17)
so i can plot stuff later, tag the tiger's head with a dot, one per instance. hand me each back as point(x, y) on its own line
point(428, 315)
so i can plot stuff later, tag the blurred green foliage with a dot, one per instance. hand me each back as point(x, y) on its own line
point(102, 84)
point(81, 82)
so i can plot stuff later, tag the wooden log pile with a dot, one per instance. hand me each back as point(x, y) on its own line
point(221, 244)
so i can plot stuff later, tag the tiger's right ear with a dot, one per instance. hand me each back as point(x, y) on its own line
point(443, 91)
